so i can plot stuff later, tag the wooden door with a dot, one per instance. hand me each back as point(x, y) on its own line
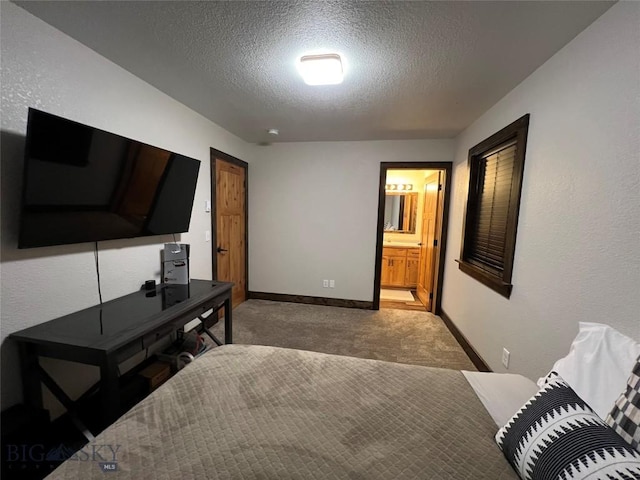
point(385, 278)
point(397, 271)
point(413, 267)
point(428, 247)
point(230, 249)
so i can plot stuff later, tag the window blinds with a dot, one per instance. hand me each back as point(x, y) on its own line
point(495, 182)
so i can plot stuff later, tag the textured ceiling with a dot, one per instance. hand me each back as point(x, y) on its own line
point(413, 69)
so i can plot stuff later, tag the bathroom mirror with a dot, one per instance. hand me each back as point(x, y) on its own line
point(400, 212)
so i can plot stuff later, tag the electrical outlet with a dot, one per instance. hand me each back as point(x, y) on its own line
point(325, 283)
point(332, 284)
point(505, 357)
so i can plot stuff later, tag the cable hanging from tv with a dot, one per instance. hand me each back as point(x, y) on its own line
point(95, 252)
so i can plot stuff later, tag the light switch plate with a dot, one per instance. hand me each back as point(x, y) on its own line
point(505, 357)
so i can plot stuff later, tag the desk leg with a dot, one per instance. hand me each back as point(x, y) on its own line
point(31, 386)
point(228, 321)
point(109, 389)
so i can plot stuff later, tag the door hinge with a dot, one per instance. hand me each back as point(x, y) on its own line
point(430, 295)
point(439, 186)
point(435, 243)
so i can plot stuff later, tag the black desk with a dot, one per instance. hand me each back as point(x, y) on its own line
point(107, 334)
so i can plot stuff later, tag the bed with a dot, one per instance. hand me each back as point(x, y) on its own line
point(265, 412)
point(256, 412)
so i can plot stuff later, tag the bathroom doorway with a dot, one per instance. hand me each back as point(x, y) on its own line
point(411, 235)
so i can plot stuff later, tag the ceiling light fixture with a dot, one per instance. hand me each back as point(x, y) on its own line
point(324, 69)
point(399, 187)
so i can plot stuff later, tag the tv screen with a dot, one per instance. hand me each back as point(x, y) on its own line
point(82, 184)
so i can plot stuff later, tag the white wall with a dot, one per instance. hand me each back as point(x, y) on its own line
point(313, 213)
point(578, 244)
point(45, 69)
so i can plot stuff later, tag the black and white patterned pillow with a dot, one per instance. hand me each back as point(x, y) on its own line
point(625, 416)
point(556, 435)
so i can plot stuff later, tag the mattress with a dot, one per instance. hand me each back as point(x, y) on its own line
point(246, 412)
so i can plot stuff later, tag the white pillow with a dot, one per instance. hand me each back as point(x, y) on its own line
point(598, 365)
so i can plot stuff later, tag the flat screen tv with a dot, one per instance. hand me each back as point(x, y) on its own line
point(82, 184)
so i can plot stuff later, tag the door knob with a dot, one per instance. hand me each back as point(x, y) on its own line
point(221, 250)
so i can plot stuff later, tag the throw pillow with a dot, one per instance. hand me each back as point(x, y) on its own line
point(625, 416)
point(556, 435)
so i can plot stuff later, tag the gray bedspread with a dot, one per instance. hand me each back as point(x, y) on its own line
point(252, 412)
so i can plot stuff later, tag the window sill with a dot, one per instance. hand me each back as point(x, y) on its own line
point(494, 282)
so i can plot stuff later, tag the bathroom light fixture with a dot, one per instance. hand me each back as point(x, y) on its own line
point(399, 187)
point(324, 69)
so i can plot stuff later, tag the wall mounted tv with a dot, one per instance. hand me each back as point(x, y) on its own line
point(82, 184)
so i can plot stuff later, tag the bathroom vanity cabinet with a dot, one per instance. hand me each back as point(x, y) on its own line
point(400, 267)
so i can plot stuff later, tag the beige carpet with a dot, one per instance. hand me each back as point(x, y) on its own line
point(403, 336)
point(396, 295)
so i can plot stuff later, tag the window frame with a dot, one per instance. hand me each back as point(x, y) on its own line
point(492, 278)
